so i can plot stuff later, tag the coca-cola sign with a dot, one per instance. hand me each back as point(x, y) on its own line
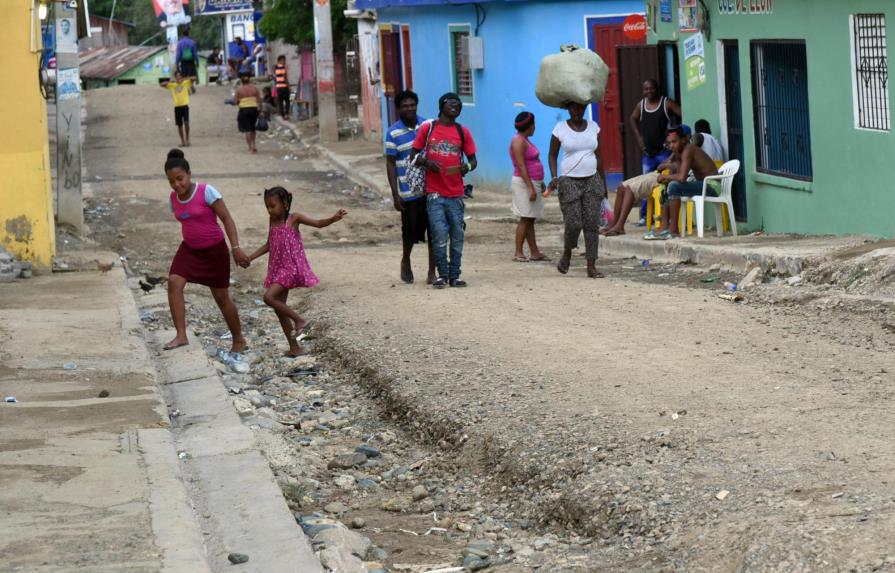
point(635, 27)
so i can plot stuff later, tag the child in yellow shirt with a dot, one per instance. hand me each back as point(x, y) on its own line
point(180, 92)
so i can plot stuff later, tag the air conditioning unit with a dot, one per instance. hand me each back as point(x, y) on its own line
point(473, 52)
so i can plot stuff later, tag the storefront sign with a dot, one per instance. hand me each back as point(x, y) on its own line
point(241, 24)
point(745, 6)
point(207, 7)
point(687, 16)
point(634, 27)
point(665, 10)
point(694, 61)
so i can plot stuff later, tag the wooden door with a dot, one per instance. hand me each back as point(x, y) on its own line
point(606, 38)
point(636, 64)
point(392, 77)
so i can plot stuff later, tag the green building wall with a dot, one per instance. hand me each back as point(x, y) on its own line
point(850, 192)
point(142, 76)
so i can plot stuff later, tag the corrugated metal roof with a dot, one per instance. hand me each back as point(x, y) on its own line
point(109, 63)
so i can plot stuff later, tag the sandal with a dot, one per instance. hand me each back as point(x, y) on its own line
point(521, 259)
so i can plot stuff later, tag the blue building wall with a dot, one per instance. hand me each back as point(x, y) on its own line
point(516, 36)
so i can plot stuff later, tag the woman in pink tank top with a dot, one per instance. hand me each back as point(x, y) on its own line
point(527, 187)
point(202, 257)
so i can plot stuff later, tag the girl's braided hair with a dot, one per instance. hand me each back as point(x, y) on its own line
point(284, 196)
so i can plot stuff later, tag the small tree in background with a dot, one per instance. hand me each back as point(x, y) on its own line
point(292, 21)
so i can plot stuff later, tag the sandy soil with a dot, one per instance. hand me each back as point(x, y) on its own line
point(617, 410)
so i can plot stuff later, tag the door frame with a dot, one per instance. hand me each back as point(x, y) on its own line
point(591, 20)
point(595, 19)
point(721, 46)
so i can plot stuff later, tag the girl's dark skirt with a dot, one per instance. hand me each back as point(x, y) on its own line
point(209, 267)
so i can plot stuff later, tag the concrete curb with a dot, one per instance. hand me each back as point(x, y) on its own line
point(230, 483)
point(733, 257)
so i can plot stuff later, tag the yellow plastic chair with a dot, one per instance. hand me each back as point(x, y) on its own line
point(654, 205)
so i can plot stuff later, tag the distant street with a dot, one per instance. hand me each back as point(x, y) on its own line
point(670, 429)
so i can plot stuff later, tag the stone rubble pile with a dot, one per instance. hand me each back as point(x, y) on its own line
point(11, 268)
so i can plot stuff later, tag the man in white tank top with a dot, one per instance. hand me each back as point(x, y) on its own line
point(708, 142)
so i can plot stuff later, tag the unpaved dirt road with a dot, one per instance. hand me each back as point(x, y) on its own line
point(675, 430)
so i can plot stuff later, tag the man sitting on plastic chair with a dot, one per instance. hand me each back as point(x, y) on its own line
point(635, 190)
point(692, 159)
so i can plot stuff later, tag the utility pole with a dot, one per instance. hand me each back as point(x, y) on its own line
point(326, 73)
point(69, 200)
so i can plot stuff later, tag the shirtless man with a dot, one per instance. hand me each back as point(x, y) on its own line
point(636, 189)
point(692, 159)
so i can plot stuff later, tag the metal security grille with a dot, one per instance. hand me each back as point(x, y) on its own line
point(780, 96)
point(871, 71)
point(462, 73)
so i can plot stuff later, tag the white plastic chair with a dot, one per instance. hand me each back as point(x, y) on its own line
point(725, 175)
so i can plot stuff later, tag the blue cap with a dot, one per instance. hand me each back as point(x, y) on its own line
point(683, 129)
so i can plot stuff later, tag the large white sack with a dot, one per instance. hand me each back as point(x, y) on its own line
point(573, 75)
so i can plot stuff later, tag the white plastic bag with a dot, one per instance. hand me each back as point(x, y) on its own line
point(573, 75)
point(607, 215)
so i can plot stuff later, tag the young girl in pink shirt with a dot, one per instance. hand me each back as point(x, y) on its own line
point(287, 265)
point(203, 257)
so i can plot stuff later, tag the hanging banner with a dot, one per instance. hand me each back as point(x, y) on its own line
point(694, 61)
point(209, 7)
point(665, 10)
point(171, 12)
point(688, 14)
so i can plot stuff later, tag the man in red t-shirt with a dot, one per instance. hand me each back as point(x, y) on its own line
point(445, 144)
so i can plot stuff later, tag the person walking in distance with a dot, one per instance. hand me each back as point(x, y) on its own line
point(649, 123)
point(287, 264)
point(446, 142)
point(580, 185)
point(281, 81)
point(248, 99)
point(186, 56)
point(527, 186)
point(202, 257)
point(180, 93)
point(399, 139)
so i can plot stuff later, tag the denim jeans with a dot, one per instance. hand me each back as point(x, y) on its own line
point(689, 189)
point(649, 163)
point(446, 222)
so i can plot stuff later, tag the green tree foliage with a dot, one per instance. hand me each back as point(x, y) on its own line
point(292, 21)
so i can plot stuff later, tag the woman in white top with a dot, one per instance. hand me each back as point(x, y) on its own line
point(580, 185)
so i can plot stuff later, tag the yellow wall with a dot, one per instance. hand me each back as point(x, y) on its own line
point(26, 205)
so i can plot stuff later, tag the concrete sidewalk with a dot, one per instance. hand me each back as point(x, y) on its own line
point(89, 467)
point(363, 162)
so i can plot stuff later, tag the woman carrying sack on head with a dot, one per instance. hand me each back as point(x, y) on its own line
point(579, 185)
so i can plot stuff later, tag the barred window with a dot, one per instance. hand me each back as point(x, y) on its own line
point(871, 71)
point(780, 96)
point(462, 74)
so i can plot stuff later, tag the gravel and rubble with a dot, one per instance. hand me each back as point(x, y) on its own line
point(11, 268)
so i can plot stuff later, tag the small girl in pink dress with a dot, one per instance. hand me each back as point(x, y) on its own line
point(287, 265)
